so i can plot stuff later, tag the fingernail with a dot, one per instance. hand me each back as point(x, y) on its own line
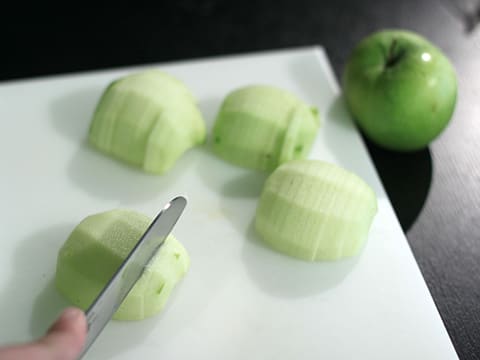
point(68, 316)
point(71, 313)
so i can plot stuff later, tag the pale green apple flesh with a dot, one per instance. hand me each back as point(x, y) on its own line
point(313, 210)
point(400, 89)
point(261, 127)
point(147, 119)
point(96, 248)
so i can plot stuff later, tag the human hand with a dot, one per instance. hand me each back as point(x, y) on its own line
point(63, 341)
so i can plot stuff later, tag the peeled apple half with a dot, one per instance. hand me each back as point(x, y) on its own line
point(261, 127)
point(147, 119)
point(96, 248)
point(315, 210)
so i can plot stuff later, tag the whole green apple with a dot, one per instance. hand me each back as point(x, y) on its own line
point(400, 89)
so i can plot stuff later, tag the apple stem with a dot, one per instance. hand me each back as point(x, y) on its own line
point(393, 54)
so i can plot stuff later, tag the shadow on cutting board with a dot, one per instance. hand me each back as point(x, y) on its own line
point(209, 108)
point(46, 308)
point(120, 337)
point(283, 276)
point(71, 114)
point(31, 290)
point(106, 178)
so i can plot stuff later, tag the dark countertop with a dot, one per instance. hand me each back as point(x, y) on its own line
point(435, 192)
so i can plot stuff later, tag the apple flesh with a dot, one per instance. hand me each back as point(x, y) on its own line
point(147, 119)
point(262, 126)
point(400, 89)
point(315, 211)
point(97, 247)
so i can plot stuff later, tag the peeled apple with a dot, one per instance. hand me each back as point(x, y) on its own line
point(261, 127)
point(313, 210)
point(147, 119)
point(96, 248)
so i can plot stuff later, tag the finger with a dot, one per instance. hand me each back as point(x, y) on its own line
point(64, 340)
point(66, 337)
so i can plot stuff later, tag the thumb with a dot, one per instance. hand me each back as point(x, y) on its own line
point(66, 336)
point(63, 341)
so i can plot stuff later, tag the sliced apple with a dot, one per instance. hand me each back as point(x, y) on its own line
point(96, 248)
point(148, 120)
point(261, 127)
point(315, 210)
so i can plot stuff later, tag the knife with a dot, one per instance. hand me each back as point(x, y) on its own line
point(112, 295)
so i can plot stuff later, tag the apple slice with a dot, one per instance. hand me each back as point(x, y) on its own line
point(96, 248)
point(261, 127)
point(314, 210)
point(148, 120)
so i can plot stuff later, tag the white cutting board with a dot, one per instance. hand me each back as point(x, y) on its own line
point(240, 299)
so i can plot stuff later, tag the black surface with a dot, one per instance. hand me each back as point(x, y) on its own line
point(435, 192)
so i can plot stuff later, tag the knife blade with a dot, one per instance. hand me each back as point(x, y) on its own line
point(112, 295)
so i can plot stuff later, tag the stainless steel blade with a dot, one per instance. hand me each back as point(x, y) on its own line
point(117, 289)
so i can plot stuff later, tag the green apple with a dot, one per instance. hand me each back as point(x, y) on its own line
point(400, 89)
